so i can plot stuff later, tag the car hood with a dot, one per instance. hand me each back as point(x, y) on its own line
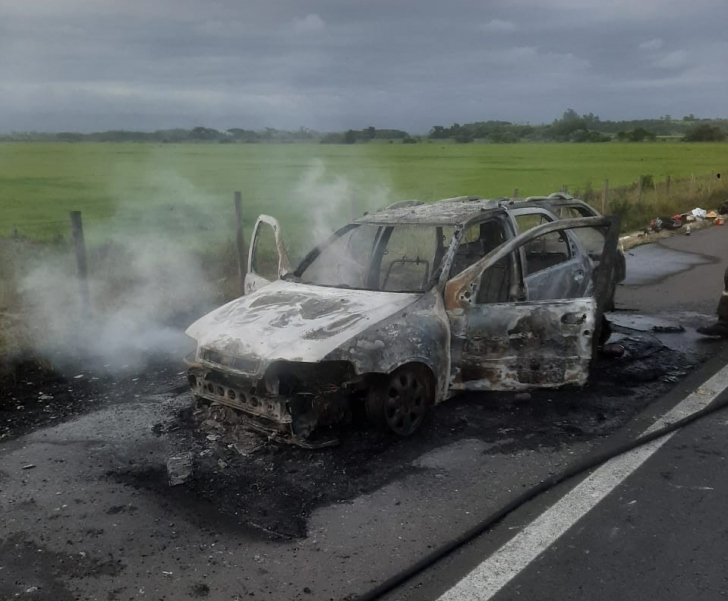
point(291, 322)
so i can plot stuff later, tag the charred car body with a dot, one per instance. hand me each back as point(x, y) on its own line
point(398, 310)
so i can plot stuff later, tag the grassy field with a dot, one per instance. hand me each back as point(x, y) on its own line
point(188, 188)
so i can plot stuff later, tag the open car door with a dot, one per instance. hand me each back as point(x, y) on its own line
point(506, 340)
point(267, 257)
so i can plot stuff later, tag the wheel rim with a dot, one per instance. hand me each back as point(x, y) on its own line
point(405, 403)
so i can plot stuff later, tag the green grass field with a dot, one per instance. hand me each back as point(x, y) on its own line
point(188, 188)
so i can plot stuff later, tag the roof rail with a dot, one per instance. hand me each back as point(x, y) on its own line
point(402, 204)
point(462, 199)
point(562, 195)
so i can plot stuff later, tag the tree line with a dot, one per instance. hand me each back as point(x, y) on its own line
point(570, 127)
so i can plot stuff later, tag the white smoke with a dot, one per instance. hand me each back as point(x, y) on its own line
point(332, 199)
point(146, 282)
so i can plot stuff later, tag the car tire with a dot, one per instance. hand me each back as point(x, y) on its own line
point(399, 402)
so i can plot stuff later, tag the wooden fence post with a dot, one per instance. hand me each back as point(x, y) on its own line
point(639, 190)
point(515, 192)
point(668, 181)
point(240, 241)
point(605, 194)
point(81, 265)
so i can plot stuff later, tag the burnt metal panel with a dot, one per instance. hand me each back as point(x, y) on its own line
point(515, 346)
point(420, 333)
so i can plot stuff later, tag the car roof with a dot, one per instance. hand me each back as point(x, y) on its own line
point(449, 211)
point(458, 210)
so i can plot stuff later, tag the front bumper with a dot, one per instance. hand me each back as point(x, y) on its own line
point(288, 417)
point(239, 395)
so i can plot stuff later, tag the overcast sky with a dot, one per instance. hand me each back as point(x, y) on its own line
point(88, 65)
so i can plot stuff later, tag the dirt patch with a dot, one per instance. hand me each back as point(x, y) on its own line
point(34, 393)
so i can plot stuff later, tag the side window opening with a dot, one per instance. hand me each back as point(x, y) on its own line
point(495, 283)
point(592, 238)
point(547, 251)
point(265, 255)
point(476, 242)
point(530, 221)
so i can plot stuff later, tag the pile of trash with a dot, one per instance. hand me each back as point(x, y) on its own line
point(676, 222)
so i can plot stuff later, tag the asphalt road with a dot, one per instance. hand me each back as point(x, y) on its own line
point(87, 515)
point(659, 533)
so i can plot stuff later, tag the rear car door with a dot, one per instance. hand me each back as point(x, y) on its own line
point(519, 342)
point(267, 257)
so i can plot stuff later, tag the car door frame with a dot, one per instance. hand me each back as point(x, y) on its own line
point(522, 344)
point(254, 281)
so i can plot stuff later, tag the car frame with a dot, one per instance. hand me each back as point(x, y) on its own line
point(294, 357)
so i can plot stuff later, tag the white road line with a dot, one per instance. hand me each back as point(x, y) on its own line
point(506, 563)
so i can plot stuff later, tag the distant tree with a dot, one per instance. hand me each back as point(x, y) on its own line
point(67, 136)
point(205, 134)
point(640, 134)
point(502, 136)
point(303, 133)
point(390, 134)
point(369, 133)
point(408, 140)
point(350, 137)
point(567, 127)
point(704, 133)
point(243, 135)
point(333, 138)
point(438, 132)
point(585, 135)
point(592, 121)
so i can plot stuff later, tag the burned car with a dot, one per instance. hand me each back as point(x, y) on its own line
point(400, 309)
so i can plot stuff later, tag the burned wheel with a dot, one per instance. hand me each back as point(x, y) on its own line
point(400, 401)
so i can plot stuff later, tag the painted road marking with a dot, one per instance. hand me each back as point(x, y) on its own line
point(514, 556)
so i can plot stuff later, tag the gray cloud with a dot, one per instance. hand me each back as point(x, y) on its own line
point(498, 25)
point(331, 64)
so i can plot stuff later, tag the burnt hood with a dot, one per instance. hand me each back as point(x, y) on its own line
point(290, 322)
